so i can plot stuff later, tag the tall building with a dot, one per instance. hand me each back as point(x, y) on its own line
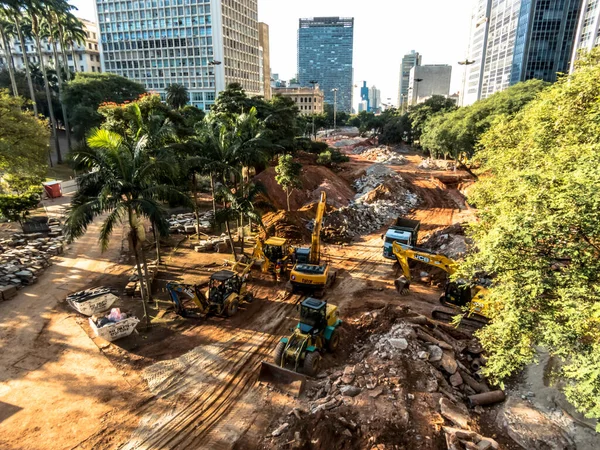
point(85, 57)
point(545, 38)
point(409, 61)
point(587, 35)
point(473, 72)
point(365, 104)
point(374, 99)
point(426, 81)
point(203, 45)
point(325, 54)
point(264, 60)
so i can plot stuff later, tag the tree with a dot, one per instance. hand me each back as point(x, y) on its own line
point(177, 96)
point(6, 35)
point(23, 139)
point(87, 91)
point(421, 113)
point(539, 234)
point(121, 183)
point(288, 175)
point(15, 207)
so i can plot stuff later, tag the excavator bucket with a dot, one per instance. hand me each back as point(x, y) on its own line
point(285, 380)
point(402, 285)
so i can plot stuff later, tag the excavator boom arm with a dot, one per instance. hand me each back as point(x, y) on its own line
point(315, 247)
point(177, 290)
point(405, 252)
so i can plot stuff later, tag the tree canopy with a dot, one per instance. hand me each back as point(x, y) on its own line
point(539, 230)
point(87, 91)
point(23, 139)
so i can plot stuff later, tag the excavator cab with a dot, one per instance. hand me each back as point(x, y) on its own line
point(302, 255)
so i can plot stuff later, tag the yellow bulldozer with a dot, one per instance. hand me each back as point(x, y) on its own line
point(457, 294)
point(316, 332)
point(308, 273)
point(275, 255)
point(227, 290)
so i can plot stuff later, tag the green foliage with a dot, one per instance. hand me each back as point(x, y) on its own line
point(421, 113)
point(288, 175)
point(457, 133)
point(539, 230)
point(15, 207)
point(23, 139)
point(367, 121)
point(311, 146)
point(177, 95)
point(87, 91)
point(332, 156)
point(396, 129)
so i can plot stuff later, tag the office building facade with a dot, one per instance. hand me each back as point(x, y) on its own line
point(475, 61)
point(325, 55)
point(545, 38)
point(264, 60)
point(409, 61)
point(308, 100)
point(201, 44)
point(365, 104)
point(587, 35)
point(374, 99)
point(85, 57)
point(428, 80)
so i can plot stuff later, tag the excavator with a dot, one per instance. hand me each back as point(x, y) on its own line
point(457, 294)
point(227, 289)
point(308, 274)
point(275, 254)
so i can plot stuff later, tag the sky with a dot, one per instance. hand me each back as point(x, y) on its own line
point(384, 30)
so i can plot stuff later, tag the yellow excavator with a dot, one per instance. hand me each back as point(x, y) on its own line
point(227, 290)
point(275, 254)
point(308, 274)
point(457, 294)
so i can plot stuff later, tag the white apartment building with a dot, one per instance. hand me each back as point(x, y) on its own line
point(588, 29)
point(87, 55)
point(427, 81)
point(202, 44)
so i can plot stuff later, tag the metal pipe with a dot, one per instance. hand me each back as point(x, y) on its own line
point(486, 398)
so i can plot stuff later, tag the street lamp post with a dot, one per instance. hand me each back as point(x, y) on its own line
point(335, 91)
point(465, 63)
point(215, 64)
point(314, 108)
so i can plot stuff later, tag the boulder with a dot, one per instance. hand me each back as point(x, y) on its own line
point(448, 362)
point(350, 391)
point(531, 429)
point(435, 353)
point(398, 343)
point(457, 414)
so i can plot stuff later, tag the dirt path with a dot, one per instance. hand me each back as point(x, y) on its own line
point(55, 385)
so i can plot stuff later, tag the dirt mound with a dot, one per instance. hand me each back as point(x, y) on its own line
point(450, 241)
point(405, 377)
point(288, 224)
point(314, 180)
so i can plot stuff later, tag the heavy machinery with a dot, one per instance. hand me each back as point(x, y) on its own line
point(457, 294)
point(276, 254)
point(308, 274)
point(227, 290)
point(404, 231)
point(317, 331)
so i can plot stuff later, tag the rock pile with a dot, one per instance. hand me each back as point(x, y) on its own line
point(24, 257)
point(414, 370)
point(186, 223)
point(381, 196)
point(217, 244)
point(383, 155)
point(450, 241)
point(436, 164)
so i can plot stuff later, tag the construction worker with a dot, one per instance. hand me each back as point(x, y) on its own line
point(278, 270)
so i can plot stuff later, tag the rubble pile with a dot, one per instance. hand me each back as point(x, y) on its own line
point(24, 257)
point(383, 155)
point(132, 288)
point(216, 244)
point(394, 379)
point(345, 141)
point(450, 241)
point(436, 164)
point(381, 196)
point(186, 223)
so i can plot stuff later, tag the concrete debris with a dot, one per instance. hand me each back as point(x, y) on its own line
point(435, 353)
point(436, 164)
point(186, 223)
point(457, 439)
point(450, 241)
point(133, 287)
point(280, 429)
point(217, 244)
point(459, 415)
point(350, 391)
point(24, 257)
point(383, 155)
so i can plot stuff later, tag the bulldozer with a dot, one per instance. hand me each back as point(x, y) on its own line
point(457, 294)
point(275, 254)
point(227, 290)
point(308, 274)
point(316, 332)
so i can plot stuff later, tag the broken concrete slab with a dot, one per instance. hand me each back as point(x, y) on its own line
point(454, 413)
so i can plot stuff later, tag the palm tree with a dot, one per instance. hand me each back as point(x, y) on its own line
point(36, 11)
point(5, 35)
point(73, 34)
point(15, 14)
point(121, 185)
point(177, 96)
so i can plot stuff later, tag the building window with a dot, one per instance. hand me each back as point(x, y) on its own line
point(93, 68)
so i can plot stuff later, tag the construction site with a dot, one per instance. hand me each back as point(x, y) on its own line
point(334, 329)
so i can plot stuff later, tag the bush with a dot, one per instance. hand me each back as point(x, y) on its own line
point(331, 156)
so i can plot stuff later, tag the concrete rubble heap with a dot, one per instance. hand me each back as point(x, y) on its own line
point(132, 288)
point(450, 241)
point(381, 196)
point(186, 223)
point(24, 257)
point(436, 164)
point(383, 155)
point(414, 366)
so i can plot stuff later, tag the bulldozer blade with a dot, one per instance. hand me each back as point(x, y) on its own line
point(285, 380)
point(402, 285)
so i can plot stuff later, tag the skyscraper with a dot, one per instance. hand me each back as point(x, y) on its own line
point(202, 44)
point(374, 99)
point(545, 38)
point(409, 61)
point(473, 74)
point(426, 81)
point(364, 96)
point(325, 54)
point(587, 35)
